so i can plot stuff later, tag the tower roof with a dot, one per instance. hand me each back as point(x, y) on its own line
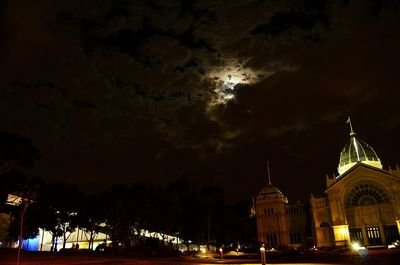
point(357, 151)
point(270, 192)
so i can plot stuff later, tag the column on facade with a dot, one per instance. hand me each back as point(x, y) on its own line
point(364, 234)
point(382, 232)
point(398, 225)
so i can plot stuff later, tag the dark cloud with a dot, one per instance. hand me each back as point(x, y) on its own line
point(118, 91)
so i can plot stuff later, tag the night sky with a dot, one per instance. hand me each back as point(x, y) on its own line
point(124, 91)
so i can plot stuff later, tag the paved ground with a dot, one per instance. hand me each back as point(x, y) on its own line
point(373, 258)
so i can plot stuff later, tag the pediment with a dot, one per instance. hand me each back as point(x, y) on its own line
point(361, 172)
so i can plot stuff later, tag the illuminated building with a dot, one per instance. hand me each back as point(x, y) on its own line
point(278, 222)
point(77, 239)
point(362, 203)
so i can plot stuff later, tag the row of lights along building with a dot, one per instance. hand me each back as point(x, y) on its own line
point(361, 204)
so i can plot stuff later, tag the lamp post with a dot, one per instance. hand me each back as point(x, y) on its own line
point(262, 251)
point(221, 252)
point(21, 229)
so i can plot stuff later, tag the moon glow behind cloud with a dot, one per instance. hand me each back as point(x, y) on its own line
point(230, 74)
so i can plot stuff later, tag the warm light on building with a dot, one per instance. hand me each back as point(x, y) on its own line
point(341, 233)
point(359, 205)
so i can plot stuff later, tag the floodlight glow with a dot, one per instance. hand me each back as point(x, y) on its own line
point(356, 246)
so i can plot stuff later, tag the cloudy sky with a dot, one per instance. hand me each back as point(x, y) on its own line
point(123, 91)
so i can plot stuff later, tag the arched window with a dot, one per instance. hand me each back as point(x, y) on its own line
point(366, 194)
point(324, 224)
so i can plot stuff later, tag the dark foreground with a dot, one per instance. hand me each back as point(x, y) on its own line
point(373, 257)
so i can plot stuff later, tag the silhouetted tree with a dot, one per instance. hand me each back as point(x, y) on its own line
point(119, 215)
point(213, 205)
point(11, 182)
point(177, 192)
point(58, 209)
point(91, 215)
point(16, 152)
point(191, 221)
point(239, 227)
point(150, 204)
point(28, 192)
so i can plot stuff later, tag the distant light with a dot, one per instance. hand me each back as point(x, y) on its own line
point(272, 250)
point(314, 248)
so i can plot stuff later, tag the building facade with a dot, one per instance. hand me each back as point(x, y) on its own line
point(362, 203)
point(279, 224)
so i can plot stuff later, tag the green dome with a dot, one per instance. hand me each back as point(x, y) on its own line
point(357, 151)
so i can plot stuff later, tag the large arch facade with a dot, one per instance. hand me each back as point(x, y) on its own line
point(364, 207)
point(362, 203)
point(369, 205)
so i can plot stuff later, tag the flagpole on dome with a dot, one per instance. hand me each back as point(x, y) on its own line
point(351, 126)
point(269, 175)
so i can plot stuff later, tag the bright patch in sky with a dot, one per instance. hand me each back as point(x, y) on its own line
point(226, 77)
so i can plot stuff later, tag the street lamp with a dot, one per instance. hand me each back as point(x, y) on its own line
point(221, 251)
point(262, 250)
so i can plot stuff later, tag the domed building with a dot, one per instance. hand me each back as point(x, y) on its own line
point(278, 222)
point(357, 151)
point(362, 203)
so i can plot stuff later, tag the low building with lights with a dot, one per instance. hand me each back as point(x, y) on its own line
point(279, 224)
point(77, 239)
point(362, 203)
